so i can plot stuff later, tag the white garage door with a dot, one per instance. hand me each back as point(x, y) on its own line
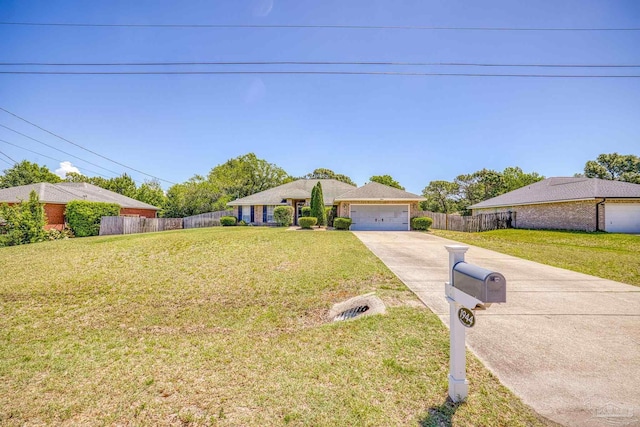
point(380, 217)
point(622, 217)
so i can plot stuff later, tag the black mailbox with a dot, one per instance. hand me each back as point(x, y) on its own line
point(482, 284)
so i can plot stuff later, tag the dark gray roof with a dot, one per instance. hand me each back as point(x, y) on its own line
point(300, 189)
point(379, 192)
point(64, 192)
point(563, 189)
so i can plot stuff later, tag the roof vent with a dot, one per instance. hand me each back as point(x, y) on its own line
point(363, 305)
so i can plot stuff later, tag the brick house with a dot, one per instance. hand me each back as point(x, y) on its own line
point(56, 196)
point(585, 204)
point(371, 207)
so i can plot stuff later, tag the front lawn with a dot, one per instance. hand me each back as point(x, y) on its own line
point(610, 256)
point(223, 326)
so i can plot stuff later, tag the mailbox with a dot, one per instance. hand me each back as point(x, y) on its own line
point(482, 284)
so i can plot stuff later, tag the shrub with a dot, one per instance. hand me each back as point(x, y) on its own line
point(283, 215)
point(341, 223)
point(317, 205)
point(307, 221)
point(23, 223)
point(242, 222)
point(84, 217)
point(421, 223)
point(55, 234)
point(330, 213)
point(306, 211)
point(227, 221)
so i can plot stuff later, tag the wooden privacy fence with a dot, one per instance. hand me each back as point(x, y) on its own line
point(130, 225)
point(209, 219)
point(475, 223)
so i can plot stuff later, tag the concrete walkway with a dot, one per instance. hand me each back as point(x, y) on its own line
point(567, 343)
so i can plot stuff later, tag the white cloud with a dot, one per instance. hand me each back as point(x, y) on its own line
point(65, 168)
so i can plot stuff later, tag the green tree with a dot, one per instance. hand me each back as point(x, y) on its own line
point(478, 186)
point(151, 192)
point(124, 185)
point(24, 222)
point(25, 173)
point(322, 173)
point(196, 196)
point(441, 196)
point(246, 175)
point(386, 180)
point(317, 205)
point(514, 178)
point(614, 166)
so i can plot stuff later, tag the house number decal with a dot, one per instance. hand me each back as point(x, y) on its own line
point(466, 316)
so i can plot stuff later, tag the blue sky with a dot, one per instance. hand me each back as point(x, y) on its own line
point(415, 128)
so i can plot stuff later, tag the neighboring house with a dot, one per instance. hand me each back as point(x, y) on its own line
point(56, 196)
point(371, 207)
point(586, 204)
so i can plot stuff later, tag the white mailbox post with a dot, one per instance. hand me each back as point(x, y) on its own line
point(477, 283)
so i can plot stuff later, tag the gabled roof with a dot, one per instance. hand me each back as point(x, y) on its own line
point(562, 190)
point(374, 191)
point(64, 192)
point(300, 189)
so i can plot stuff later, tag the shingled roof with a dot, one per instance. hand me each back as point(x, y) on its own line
point(64, 192)
point(374, 191)
point(300, 189)
point(561, 189)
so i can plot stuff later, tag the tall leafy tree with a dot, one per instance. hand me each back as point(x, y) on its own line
point(317, 205)
point(441, 196)
point(152, 193)
point(24, 222)
point(197, 195)
point(386, 180)
point(323, 173)
point(25, 173)
point(614, 166)
point(514, 178)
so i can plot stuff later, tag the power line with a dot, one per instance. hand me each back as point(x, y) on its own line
point(335, 27)
point(56, 148)
point(382, 63)
point(84, 148)
point(51, 158)
point(14, 162)
point(353, 73)
point(6, 162)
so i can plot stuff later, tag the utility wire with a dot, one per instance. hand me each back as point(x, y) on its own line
point(8, 157)
point(338, 27)
point(83, 148)
point(385, 63)
point(56, 148)
point(354, 73)
point(10, 164)
point(52, 158)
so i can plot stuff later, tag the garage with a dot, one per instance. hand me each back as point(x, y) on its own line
point(622, 217)
point(385, 217)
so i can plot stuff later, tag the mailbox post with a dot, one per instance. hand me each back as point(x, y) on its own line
point(469, 287)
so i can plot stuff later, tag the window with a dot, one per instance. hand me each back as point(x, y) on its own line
point(270, 213)
point(246, 213)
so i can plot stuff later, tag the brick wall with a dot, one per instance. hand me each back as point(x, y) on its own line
point(146, 213)
point(579, 215)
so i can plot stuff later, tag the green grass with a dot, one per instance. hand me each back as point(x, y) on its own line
point(610, 256)
point(223, 326)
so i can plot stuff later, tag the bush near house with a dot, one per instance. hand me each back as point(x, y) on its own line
point(342, 223)
point(307, 222)
point(306, 211)
point(283, 215)
point(330, 213)
point(421, 223)
point(84, 217)
point(227, 221)
point(23, 223)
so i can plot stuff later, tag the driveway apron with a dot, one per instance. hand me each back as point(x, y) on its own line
point(567, 343)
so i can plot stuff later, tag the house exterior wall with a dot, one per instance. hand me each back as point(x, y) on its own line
point(579, 215)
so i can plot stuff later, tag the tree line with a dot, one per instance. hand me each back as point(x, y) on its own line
point(248, 174)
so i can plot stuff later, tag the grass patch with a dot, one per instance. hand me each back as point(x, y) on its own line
point(223, 326)
point(606, 255)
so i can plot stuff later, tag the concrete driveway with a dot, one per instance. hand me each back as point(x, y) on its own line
point(567, 343)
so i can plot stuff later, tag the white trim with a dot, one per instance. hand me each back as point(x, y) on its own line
point(408, 205)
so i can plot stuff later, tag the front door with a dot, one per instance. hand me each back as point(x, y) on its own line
point(298, 211)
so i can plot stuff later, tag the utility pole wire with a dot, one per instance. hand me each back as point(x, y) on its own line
point(14, 162)
point(382, 63)
point(81, 147)
point(333, 27)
